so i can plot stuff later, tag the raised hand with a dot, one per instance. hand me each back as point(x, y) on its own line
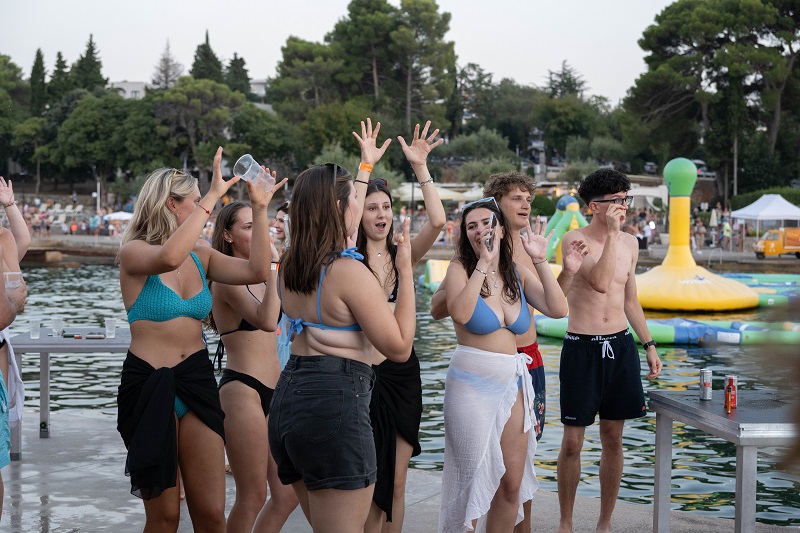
point(259, 194)
point(6, 191)
point(368, 141)
point(615, 216)
point(421, 145)
point(574, 255)
point(218, 185)
point(534, 242)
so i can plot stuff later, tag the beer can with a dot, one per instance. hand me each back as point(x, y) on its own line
point(705, 384)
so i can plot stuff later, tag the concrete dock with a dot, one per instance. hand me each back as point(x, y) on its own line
point(74, 482)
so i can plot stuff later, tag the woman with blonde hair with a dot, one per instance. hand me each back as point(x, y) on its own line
point(245, 317)
point(319, 426)
point(169, 410)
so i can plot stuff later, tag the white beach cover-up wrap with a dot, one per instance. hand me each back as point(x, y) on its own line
point(480, 390)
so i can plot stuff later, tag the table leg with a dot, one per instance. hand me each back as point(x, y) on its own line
point(746, 472)
point(44, 395)
point(663, 474)
point(16, 429)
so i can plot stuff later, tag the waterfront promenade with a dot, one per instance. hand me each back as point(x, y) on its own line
point(74, 482)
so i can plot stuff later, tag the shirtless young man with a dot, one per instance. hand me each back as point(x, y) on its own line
point(600, 364)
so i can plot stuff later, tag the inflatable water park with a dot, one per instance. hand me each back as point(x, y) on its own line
point(678, 284)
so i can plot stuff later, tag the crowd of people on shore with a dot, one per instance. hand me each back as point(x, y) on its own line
point(320, 400)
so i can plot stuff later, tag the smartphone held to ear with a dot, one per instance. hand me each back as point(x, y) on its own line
point(493, 225)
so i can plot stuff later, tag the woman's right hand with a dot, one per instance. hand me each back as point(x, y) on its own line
point(486, 254)
point(260, 196)
point(218, 185)
point(368, 141)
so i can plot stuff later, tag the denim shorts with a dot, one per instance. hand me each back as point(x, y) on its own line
point(319, 427)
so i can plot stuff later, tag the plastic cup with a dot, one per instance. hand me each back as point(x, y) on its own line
point(111, 328)
point(12, 280)
point(58, 326)
point(249, 170)
point(33, 324)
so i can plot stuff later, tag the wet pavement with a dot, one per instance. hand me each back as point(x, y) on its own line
point(74, 482)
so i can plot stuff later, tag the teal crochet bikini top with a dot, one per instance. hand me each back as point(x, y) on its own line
point(159, 303)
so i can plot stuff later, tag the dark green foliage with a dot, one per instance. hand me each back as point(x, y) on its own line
point(60, 82)
point(236, 76)
point(207, 65)
point(790, 194)
point(87, 71)
point(38, 85)
point(542, 205)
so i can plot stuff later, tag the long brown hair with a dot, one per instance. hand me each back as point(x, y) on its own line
point(361, 241)
point(466, 255)
point(318, 227)
point(225, 221)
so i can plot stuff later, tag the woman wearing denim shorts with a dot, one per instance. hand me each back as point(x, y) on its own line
point(319, 426)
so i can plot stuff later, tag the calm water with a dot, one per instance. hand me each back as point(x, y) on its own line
point(703, 476)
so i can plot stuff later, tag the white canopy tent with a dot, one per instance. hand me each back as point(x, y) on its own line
point(648, 193)
point(407, 191)
point(768, 207)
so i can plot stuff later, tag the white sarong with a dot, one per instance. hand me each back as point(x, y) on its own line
point(480, 390)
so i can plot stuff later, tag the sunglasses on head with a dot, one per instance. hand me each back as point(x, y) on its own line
point(380, 182)
point(490, 200)
point(626, 200)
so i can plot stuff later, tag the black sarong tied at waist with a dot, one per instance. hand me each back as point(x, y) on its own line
point(146, 416)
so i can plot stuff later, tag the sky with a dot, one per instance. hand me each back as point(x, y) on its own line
point(517, 39)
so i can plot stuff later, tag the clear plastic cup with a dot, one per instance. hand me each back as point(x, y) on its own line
point(58, 326)
point(33, 325)
point(249, 170)
point(12, 280)
point(111, 327)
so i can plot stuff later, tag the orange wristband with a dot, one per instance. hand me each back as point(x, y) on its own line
point(365, 166)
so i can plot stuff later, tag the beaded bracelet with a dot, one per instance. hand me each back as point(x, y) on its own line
point(12, 202)
point(481, 271)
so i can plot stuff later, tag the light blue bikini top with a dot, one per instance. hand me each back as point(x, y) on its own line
point(485, 321)
point(159, 303)
point(296, 325)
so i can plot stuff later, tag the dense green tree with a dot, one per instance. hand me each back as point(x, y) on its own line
point(14, 94)
point(266, 136)
point(479, 171)
point(482, 145)
point(87, 72)
point(513, 110)
point(350, 161)
point(565, 82)
point(236, 76)
point(305, 79)
point(61, 82)
point(28, 141)
point(334, 123)
point(425, 60)
point(38, 85)
point(194, 116)
point(145, 147)
point(207, 65)
point(562, 118)
point(360, 40)
point(167, 71)
point(91, 137)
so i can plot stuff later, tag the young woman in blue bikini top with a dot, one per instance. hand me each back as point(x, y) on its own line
point(487, 294)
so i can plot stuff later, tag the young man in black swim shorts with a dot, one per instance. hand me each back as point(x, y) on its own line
point(600, 367)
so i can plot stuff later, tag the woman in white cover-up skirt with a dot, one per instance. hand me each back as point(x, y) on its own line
point(488, 415)
point(480, 390)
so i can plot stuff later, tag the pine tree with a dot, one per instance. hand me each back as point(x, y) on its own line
point(167, 71)
point(61, 81)
point(87, 71)
point(38, 85)
point(236, 76)
point(206, 63)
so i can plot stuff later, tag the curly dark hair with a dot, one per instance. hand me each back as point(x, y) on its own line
point(498, 185)
point(466, 255)
point(602, 182)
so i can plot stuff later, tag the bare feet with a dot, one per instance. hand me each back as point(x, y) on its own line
point(228, 469)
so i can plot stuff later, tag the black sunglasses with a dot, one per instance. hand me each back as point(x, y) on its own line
point(379, 181)
point(627, 200)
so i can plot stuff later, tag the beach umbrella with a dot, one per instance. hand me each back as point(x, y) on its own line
point(713, 220)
